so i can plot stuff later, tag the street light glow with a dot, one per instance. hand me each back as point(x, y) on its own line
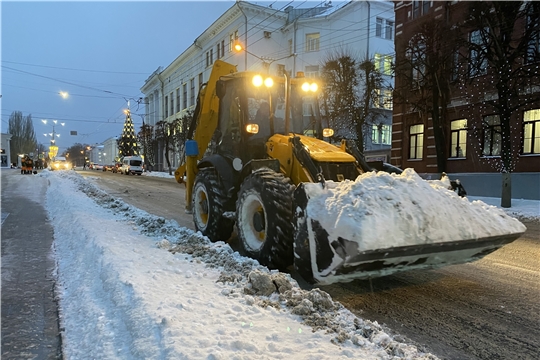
point(64, 94)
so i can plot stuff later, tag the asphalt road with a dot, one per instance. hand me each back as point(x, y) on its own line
point(489, 309)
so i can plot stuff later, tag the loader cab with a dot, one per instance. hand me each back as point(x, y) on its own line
point(249, 113)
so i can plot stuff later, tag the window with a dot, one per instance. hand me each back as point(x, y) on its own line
point(416, 141)
point(290, 47)
point(312, 71)
point(166, 106)
point(383, 63)
point(312, 42)
point(231, 42)
point(533, 47)
point(417, 57)
point(420, 8)
point(458, 138)
point(209, 57)
point(200, 81)
point(192, 92)
point(383, 99)
point(492, 135)
point(184, 96)
point(177, 100)
point(281, 70)
point(477, 61)
point(380, 134)
point(455, 66)
point(531, 132)
point(379, 27)
point(222, 48)
point(172, 103)
point(384, 29)
point(389, 35)
point(218, 50)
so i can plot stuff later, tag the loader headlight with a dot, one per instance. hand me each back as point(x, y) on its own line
point(327, 132)
point(258, 81)
point(307, 86)
point(252, 128)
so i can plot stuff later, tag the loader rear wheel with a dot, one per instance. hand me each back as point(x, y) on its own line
point(208, 206)
point(264, 215)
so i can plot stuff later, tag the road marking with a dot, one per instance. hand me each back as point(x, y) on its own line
point(4, 217)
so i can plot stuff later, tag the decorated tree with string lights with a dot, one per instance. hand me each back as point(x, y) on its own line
point(127, 143)
point(503, 55)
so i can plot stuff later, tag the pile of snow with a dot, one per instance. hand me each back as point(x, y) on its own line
point(135, 286)
point(404, 210)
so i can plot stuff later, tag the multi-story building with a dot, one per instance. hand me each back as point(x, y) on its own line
point(471, 126)
point(278, 40)
point(109, 153)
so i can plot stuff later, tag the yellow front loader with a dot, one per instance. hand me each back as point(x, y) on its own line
point(256, 158)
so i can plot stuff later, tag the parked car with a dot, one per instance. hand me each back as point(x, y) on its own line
point(132, 165)
point(108, 167)
point(98, 167)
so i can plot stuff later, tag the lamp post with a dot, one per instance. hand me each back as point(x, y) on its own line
point(53, 148)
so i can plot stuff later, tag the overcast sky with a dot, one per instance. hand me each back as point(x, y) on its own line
point(99, 52)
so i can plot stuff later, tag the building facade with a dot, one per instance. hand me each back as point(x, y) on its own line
point(293, 40)
point(5, 153)
point(468, 116)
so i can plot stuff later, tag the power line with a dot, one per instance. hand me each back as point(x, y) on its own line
point(73, 69)
point(67, 82)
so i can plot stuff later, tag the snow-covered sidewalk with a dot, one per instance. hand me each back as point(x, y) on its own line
point(124, 296)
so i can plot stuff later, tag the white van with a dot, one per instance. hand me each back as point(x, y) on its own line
point(132, 165)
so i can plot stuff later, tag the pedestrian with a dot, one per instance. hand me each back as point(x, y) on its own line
point(84, 166)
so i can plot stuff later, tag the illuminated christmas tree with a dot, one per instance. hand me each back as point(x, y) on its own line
point(127, 144)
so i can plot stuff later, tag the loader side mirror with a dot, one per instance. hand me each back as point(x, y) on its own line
point(327, 132)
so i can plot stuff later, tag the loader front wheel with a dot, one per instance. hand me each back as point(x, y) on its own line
point(264, 218)
point(208, 206)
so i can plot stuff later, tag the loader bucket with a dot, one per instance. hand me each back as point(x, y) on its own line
point(329, 250)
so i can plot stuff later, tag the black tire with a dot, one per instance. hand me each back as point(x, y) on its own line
point(264, 218)
point(208, 205)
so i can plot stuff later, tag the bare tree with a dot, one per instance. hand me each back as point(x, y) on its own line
point(181, 126)
point(504, 54)
point(23, 136)
point(426, 70)
point(148, 141)
point(350, 91)
point(165, 133)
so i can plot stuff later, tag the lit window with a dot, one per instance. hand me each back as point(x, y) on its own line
point(458, 138)
point(531, 132)
point(312, 42)
point(383, 99)
point(492, 135)
point(416, 141)
point(381, 134)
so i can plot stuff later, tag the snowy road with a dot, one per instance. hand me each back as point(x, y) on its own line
point(484, 310)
